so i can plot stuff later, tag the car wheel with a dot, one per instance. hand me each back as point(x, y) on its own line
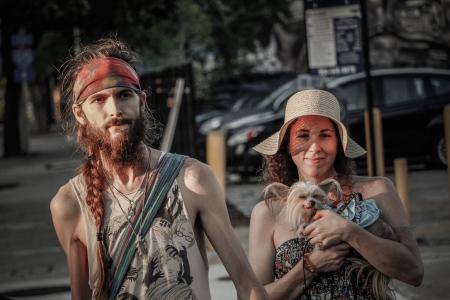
point(440, 151)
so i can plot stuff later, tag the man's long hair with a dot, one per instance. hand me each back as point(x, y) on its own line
point(92, 169)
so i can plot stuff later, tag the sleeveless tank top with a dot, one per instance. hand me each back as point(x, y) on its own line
point(326, 285)
point(174, 268)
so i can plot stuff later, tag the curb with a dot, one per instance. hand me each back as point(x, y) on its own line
point(34, 287)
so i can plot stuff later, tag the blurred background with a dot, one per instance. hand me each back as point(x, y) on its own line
point(240, 61)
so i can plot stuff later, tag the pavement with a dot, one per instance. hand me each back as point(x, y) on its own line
point(32, 265)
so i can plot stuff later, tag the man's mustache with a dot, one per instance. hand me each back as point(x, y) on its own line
point(118, 122)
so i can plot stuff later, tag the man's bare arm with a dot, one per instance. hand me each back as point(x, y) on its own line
point(206, 195)
point(66, 216)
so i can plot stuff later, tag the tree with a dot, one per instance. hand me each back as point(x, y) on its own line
point(166, 32)
point(34, 17)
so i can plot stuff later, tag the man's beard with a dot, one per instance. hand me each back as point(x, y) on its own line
point(117, 152)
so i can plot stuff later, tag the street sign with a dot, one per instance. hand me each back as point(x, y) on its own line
point(22, 57)
point(23, 75)
point(1, 55)
point(21, 40)
point(333, 31)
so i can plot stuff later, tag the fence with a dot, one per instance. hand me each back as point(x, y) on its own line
point(162, 87)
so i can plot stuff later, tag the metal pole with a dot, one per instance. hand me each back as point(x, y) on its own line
point(447, 138)
point(370, 167)
point(76, 40)
point(369, 99)
point(378, 134)
point(169, 131)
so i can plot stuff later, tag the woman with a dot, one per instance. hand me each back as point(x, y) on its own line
point(313, 145)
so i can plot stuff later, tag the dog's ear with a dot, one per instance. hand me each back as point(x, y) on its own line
point(276, 191)
point(331, 185)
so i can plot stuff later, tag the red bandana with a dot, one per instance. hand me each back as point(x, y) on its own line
point(104, 73)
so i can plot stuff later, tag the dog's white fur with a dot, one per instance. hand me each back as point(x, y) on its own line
point(303, 199)
point(302, 202)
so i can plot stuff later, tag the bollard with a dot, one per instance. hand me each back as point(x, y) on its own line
point(216, 159)
point(379, 147)
point(216, 154)
point(401, 182)
point(378, 138)
point(447, 138)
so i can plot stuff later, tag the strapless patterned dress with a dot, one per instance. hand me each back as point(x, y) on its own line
point(325, 286)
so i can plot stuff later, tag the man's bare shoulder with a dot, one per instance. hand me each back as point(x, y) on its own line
point(199, 186)
point(197, 176)
point(64, 204)
point(66, 216)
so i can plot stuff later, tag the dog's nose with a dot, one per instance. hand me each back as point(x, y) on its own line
point(308, 204)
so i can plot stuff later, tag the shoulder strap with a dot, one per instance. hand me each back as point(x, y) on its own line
point(168, 169)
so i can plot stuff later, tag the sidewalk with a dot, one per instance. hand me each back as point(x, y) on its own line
point(30, 256)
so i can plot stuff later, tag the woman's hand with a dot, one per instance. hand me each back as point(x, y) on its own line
point(328, 229)
point(330, 259)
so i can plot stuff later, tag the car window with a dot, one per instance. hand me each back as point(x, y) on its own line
point(403, 89)
point(354, 95)
point(268, 101)
point(249, 101)
point(281, 101)
point(440, 85)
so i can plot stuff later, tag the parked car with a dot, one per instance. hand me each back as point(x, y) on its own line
point(228, 101)
point(238, 94)
point(244, 129)
point(411, 102)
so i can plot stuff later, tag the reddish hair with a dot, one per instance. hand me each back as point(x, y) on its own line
point(95, 181)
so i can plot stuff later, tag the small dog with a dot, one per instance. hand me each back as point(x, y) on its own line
point(303, 199)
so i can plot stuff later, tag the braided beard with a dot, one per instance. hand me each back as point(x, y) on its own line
point(116, 153)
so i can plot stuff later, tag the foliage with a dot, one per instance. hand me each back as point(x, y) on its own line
point(165, 32)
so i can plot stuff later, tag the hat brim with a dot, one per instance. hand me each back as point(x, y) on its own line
point(271, 145)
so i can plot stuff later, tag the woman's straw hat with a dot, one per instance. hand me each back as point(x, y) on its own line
point(305, 103)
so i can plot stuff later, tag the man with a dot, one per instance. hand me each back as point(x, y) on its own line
point(118, 241)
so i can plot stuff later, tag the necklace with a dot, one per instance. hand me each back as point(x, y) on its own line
point(131, 208)
point(136, 194)
point(141, 245)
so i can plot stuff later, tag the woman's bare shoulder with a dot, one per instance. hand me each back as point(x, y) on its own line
point(268, 211)
point(369, 186)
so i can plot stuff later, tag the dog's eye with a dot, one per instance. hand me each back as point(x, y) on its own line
point(319, 197)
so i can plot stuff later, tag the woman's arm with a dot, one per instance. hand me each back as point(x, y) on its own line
point(400, 260)
point(66, 216)
point(262, 254)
